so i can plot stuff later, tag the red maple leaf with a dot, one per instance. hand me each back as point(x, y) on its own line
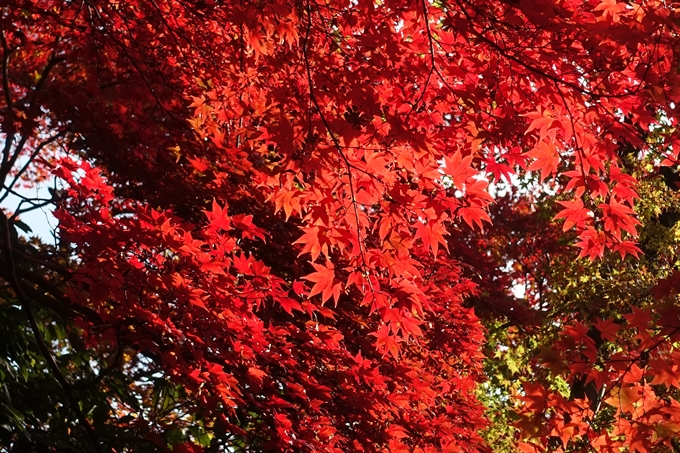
point(432, 234)
point(386, 343)
point(459, 168)
point(543, 121)
point(575, 214)
point(547, 159)
point(325, 282)
point(611, 9)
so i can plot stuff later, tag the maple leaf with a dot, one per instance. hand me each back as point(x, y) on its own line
point(289, 201)
point(195, 298)
point(624, 398)
point(543, 121)
point(529, 448)
point(611, 9)
point(218, 217)
point(619, 217)
point(199, 165)
point(592, 243)
point(575, 214)
point(325, 282)
point(499, 170)
point(547, 159)
point(666, 430)
point(534, 396)
point(396, 446)
point(289, 304)
point(375, 163)
point(298, 288)
point(409, 326)
point(634, 375)
point(396, 431)
point(474, 216)
point(667, 286)
point(215, 267)
point(459, 168)
point(245, 224)
point(386, 343)
point(608, 329)
point(432, 234)
point(640, 318)
point(627, 248)
point(257, 374)
point(665, 373)
point(312, 239)
point(404, 268)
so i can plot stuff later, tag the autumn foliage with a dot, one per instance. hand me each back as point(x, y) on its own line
point(292, 214)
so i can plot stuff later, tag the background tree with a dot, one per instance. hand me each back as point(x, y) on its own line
point(595, 302)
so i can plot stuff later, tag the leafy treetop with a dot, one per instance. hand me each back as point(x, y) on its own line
point(274, 202)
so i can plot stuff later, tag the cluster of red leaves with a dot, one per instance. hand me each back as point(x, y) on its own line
point(333, 147)
point(281, 369)
point(632, 402)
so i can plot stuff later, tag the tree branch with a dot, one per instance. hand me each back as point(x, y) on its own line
point(26, 305)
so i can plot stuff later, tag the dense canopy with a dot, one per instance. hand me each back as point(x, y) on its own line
point(340, 225)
